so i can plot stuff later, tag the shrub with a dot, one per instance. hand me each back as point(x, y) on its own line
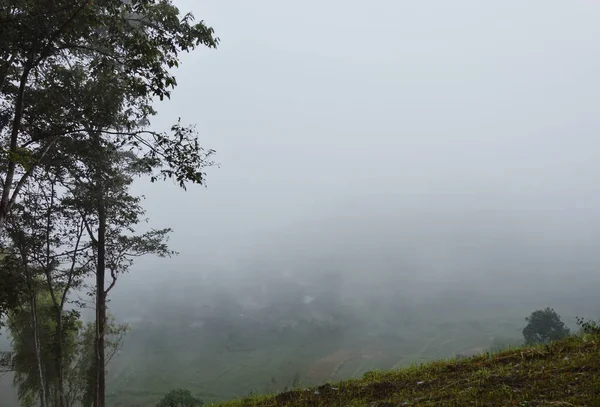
point(180, 398)
point(588, 327)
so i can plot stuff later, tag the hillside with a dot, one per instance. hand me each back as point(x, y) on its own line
point(565, 373)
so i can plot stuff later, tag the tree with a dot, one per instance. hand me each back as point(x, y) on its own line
point(79, 89)
point(99, 190)
point(98, 175)
point(544, 326)
point(40, 40)
point(180, 398)
point(49, 236)
point(95, 168)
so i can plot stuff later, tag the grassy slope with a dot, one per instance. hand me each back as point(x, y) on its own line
point(565, 373)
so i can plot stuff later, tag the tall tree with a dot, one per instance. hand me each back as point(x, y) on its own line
point(99, 179)
point(97, 167)
point(79, 89)
point(100, 193)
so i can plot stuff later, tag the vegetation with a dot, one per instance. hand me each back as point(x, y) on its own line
point(563, 373)
point(77, 83)
point(588, 327)
point(27, 379)
point(180, 398)
point(77, 354)
point(544, 326)
point(228, 356)
point(12, 285)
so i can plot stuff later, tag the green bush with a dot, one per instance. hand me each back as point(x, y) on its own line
point(180, 398)
point(588, 327)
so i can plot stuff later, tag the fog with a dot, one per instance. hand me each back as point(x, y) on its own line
point(438, 158)
point(458, 137)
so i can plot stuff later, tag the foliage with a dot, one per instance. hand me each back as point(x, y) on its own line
point(78, 78)
point(78, 354)
point(12, 286)
point(20, 325)
point(563, 373)
point(180, 398)
point(97, 176)
point(588, 327)
point(123, 211)
point(46, 234)
point(544, 326)
point(81, 374)
point(46, 238)
point(68, 66)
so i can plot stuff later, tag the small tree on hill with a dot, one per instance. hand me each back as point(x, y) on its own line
point(180, 398)
point(544, 326)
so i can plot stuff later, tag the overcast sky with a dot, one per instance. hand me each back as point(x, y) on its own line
point(470, 112)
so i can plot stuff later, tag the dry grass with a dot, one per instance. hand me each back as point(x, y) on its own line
point(565, 373)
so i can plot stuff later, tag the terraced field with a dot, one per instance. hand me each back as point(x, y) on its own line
point(326, 367)
point(204, 366)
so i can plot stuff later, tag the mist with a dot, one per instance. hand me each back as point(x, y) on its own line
point(437, 161)
point(412, 111)
point(414, 163)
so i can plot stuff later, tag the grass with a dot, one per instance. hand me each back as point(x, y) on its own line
point(564, 373)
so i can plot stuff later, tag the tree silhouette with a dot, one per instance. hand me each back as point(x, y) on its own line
point(180, 398)
point(544, 326)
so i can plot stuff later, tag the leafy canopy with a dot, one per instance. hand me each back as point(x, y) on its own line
point(544, 326)
point(180, 398)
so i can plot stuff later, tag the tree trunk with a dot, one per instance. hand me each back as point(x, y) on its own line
point(59, 358)
point(47, 390)
point(14, 134)
point(32, 291)
point(100, 291)
point(37, 345)
point(100, 310)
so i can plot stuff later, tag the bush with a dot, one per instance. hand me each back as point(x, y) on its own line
point(588, 327)
point(180, 398)
point(544, 326)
